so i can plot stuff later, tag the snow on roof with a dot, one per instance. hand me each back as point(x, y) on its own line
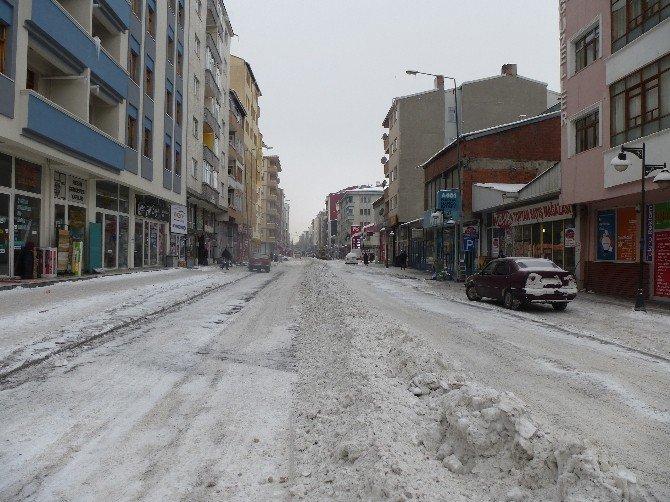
point(366, 189)
point(502, 187)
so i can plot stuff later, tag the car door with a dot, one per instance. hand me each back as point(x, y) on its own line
point(483, 279)
point(500, 279)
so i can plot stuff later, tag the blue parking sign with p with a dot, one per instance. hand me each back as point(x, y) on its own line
point(469, 243)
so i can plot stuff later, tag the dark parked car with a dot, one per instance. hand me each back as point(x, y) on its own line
point(518, 281)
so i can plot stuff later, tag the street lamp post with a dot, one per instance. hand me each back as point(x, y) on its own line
point(458, 149)
point(621, 163)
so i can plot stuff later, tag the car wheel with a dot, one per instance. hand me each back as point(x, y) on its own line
point(510, 301)
point(560, 306)
point(471, 293)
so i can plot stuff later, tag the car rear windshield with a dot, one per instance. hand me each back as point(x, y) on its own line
point(537, 265)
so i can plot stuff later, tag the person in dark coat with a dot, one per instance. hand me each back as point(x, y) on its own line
point(365, 258)
point(226, 258)
point(402, 258)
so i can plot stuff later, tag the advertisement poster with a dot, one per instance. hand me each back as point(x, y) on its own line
point(649, 240)
point(606, 236)
point(495, 246)
point(178, 224)
point(569, 240)
point(449, 201)
point(662, 216)
point(626, 233)
point(662, 265)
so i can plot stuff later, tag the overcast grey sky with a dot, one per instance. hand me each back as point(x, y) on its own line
point(329, 70)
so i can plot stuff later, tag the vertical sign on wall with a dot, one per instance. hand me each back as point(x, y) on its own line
point(606, 235)
point(649, 241)
point(626, 232)
point(662, 264)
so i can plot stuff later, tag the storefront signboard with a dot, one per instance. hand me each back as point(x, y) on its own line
point(449, 201)
point(606, 237)
point(76, 190)
point(662, 216)
point(649, 241)
point(662, 265)
point(150, 207)
point(178, 223)
point(626, 232)
point(536, 213)
point(471, 231)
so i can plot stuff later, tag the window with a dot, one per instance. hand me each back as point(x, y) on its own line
point(3, 49)
point(196, 127)
point(180, 13)
point(136, 5)
point(196, 86)
point(151, 27)
point(177, 111)
point(587, 49)
point(194, 168)
point(198, 7)
point(171, 5)
point(134, 60)
point(640, 103)
point(632, 18)
point(586, 132)
point(196, 46)
point(149, 78)
point(206, 172)
point(167, 153)
point(180, 59)
point(131, 128)
point(168, 98)
point(170, 45)
point(146, 150)
point(177, 159)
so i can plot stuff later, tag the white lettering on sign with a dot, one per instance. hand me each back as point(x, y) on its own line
point(563, 37)
point(532, 214)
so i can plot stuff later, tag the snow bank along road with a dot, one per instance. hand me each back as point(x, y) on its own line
point(320, 382)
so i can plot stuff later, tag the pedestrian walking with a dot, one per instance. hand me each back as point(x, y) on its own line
point(403, 260)
point(365, 258)
point(226, 257)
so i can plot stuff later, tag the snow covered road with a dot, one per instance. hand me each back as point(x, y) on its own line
point(320, 381)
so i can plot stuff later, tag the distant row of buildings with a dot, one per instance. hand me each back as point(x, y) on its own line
point(503, 166)
point(129, 137)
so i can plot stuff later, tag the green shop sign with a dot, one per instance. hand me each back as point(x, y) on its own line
point(662, 213)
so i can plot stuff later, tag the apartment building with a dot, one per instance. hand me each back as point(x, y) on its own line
point(236, 223)
point(355, 209)
point(209, 37)
point(91, 138)
point(271, 204)
point(615, 79)
point(243, 82)
point(421, 124)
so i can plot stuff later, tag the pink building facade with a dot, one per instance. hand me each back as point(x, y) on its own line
point(615, 86)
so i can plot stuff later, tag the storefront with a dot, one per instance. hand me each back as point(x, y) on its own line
point(20, 213)
point(112, 202)
point(69, 216)
point(152, 216)
point(543, 230)
point(178, 230)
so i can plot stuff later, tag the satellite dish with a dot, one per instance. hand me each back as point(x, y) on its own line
point(384, 160)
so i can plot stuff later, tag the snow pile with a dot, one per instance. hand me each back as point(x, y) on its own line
point(381, 416)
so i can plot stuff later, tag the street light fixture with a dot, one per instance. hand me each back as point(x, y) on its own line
point(458, 146)
point(621, 162)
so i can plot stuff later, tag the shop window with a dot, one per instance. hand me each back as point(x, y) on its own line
point(28, 176)
point(124, 227)
point(124, 199)
point(587, 49)
point(640, 103)
point(5, 171)
point(107, 195)
point(632, 18)
point(3, 49)
point(26, 220)
point(586, 132)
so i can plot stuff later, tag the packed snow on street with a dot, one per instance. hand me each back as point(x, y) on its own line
point(326, 381)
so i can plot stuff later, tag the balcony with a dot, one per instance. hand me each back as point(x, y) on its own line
point(209, 156)
point(117, 11)
point(209, 194)
point(54, 29)
point(214, 48)
point(52, 125)
point(212, 89)
point(212, 122)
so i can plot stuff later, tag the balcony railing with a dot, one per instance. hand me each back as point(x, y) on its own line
point(211, 84)
point(210, 194)
point(209, 156)
point(53, 125)
point(214, 48)
point(211, 120)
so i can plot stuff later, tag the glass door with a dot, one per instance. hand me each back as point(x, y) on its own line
point(4, 234)
point(110, 241)
point(139, 235)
